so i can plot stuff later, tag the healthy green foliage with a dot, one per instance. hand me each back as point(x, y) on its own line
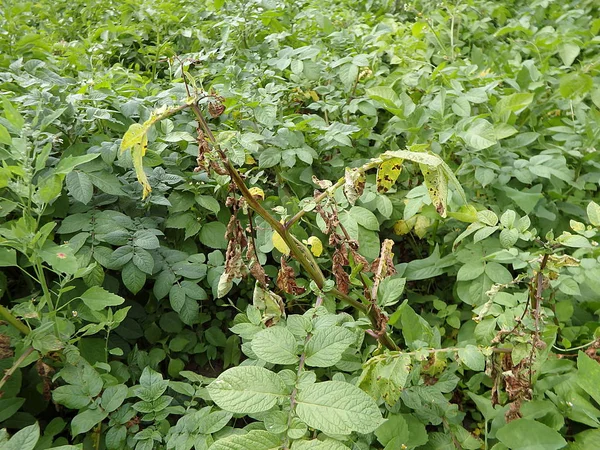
point(298, 225)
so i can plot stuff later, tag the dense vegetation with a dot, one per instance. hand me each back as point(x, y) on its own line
point(299, 224)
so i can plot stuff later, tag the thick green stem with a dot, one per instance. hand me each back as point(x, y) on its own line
point(8, 317)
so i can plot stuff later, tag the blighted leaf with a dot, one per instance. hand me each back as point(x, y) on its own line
point(247, 389)
point(257, 193)
point(387, 174)
point(354, 184)
point(270, 304)
point(386, 376)
point(316, 246)
point(437, 187)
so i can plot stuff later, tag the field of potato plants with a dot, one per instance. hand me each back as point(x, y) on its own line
point(299, 225)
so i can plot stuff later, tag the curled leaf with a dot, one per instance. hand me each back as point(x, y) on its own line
point(354, 184)
point(316, 246)
point(257, 193)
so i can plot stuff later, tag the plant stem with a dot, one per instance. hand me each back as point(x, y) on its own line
point(7, 316)
point(15, 366)
point(298, 250)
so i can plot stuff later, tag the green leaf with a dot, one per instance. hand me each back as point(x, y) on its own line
point(527, 434)
point(575, 85)
point(480, 135)
point(8, 257)
point(568, 52)
point(5, 136)
point(9, 406)
point(276, 345)
point(67, 164)
point(588, 375)
point(388, 98)
point(208, 202)
point(146, 240)
point(24, 439)
point(365, 218)
point(338, 408)
point(247, 389)
point(269, 157)
point(80, 186)
point(472, 357)
point(254, 440)
point(325, 347)
point(72, 396)
point(97, 298)
point(213, 235)
point(133, 278)
point(14, 117)
point(86, 420)
point(113, 397)
point(395, 427)
point(315, 444)
point(390, 290)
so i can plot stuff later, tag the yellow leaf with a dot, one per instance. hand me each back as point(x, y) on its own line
point(280, 244)
point(437, 187)
point(403, 227)
point(421, 226)
point(137, 154)
point(388, 173)
point(133, 136)
point(249, 160)
point(316, 246)
point(257, 193)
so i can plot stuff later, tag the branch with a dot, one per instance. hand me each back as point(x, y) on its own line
point(15, 366)
point(8, 317)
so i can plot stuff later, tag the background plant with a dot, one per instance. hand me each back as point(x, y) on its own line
point(504, 93)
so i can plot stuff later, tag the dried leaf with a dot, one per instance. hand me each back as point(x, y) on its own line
point(339, 260)
point(269, 303)
point(286, 279)
point(354, 184)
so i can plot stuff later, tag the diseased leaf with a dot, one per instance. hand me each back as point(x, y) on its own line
point(437, 188)
point(354, 184)
point(387, 174)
